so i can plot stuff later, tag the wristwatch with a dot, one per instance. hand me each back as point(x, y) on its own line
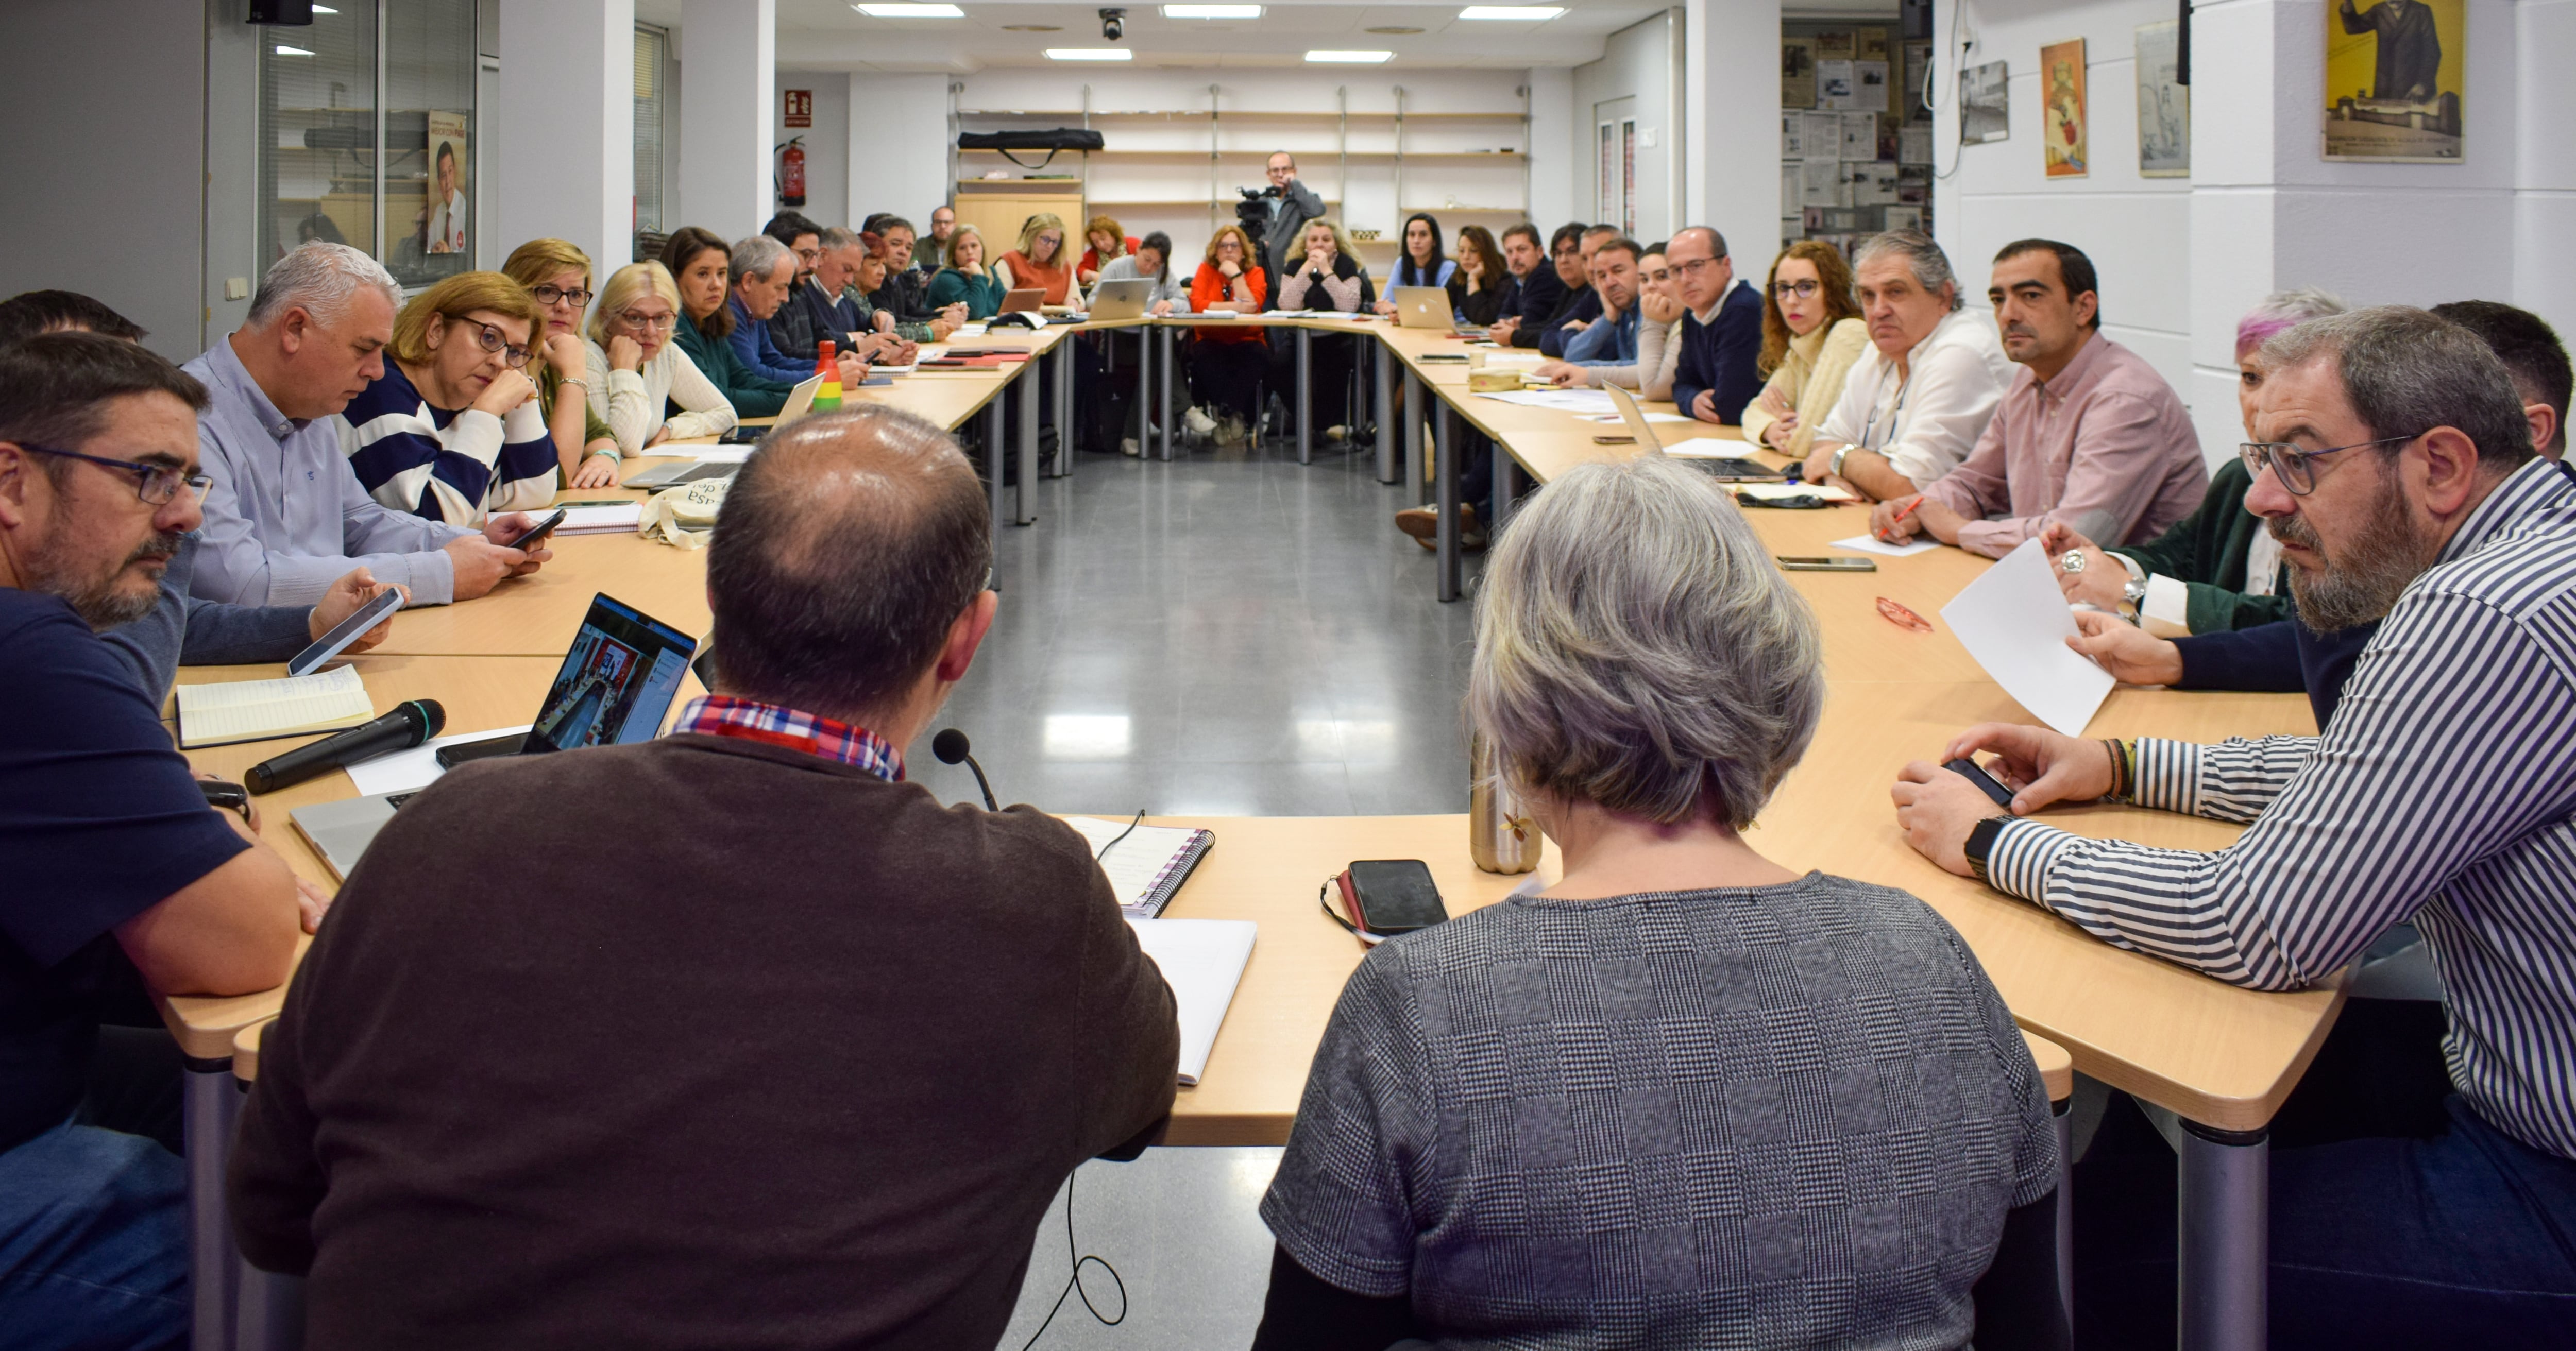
point(1836, 468)
point(1981, 844)
point(2133, 599)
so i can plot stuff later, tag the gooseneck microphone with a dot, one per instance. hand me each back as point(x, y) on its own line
point(410, 724)
point(950, 746)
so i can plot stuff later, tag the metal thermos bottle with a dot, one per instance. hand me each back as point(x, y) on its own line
point(1500, 834)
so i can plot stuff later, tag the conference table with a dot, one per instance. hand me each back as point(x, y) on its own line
point(2222, 1059)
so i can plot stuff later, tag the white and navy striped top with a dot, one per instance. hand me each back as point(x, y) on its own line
point(457, 467)
point(2444, 790)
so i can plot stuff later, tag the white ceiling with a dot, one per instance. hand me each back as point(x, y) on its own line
point(831, 35)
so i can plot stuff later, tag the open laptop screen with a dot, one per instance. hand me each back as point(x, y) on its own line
point(616, 683)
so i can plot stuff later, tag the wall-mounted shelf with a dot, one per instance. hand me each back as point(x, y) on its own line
point(1202, 114)
point(1314, 152)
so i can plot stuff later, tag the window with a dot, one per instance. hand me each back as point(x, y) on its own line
point(652, 49)
point(367, 134)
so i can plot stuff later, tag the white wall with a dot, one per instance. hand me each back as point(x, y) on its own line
point(827, 142)
point(730, 49)
point(1636, 62)
point(2544, 281)
point(1731, 174)
point(576, 181)
point(897, 146)
point(1556, 166)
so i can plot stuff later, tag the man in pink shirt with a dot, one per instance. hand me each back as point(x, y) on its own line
point(2088, 435)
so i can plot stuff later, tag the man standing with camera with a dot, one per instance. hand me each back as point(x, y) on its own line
point(1291, 204)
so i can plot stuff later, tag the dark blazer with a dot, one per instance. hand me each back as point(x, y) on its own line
point(1582, 303)
point(1531, 299)
point(1719, 357)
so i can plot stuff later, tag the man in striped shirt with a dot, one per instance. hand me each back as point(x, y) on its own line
point(2397, 471)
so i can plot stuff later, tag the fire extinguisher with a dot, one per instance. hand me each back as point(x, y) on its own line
point(791, 172)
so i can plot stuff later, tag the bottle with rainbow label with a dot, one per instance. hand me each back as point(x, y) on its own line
point(828, 397)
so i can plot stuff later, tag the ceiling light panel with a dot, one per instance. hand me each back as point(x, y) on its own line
point(1523, 13)
point(1211, 11)
point(1349, 58)
point(1089, 54)
point(910, 11)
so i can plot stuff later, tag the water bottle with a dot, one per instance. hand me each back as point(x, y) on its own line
point(1501, 837)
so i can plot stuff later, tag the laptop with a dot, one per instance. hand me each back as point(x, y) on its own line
point(1121, 299)
point(615, 687)
point(1697, 451)
point(1423, 307)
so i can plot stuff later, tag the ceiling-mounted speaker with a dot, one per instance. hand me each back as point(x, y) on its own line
point(282, 13)
point(1914, 20)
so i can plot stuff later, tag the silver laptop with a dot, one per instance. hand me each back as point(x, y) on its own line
point(1123, 299)
point(800, 401)
point(615, 686)
point(1423, 307)
point(1725, 470)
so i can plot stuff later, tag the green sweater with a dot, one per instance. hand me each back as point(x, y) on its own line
point(2206, 551)
point(983, 295)
point(916, 331)
point(751, 395)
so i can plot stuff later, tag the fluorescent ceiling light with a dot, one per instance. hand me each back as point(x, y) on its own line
point(1089, 54)
point(284, 50)
point(1511, 11)
point(324, 9)
point(1211, 11)
point(910, 11)
point(1349, 58)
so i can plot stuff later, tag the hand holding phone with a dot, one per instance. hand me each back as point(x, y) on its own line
point(1987, 783)
point(345, 632)
point(537, 533)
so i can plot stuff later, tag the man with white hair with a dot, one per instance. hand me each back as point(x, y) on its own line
point(285, 516)
point(1916, 402)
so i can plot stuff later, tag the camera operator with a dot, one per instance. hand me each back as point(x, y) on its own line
point(1287, 206)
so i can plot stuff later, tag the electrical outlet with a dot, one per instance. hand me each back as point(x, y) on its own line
point(236, 288)
point(1645, 138)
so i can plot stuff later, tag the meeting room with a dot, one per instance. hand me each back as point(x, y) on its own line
point(1304, 675)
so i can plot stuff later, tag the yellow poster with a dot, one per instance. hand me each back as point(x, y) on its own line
point(2395, 74)
point(2061, 86)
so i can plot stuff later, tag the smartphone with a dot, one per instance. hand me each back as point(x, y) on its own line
point(462, 752)
point(1442, 356)
point(1614, 440)
point(345, 632)
point(1975, 773)
point(1392, 896)
point(1828, 565)
point(537, 533)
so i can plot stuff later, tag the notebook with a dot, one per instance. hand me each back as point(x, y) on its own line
point(1148, 867)
point(255, 710)
point(600, 518)
point(1202, 960)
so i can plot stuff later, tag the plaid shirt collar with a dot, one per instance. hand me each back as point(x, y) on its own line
point(751, 720)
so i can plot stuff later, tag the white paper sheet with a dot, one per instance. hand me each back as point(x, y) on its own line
point(1614, 419)
point(418, 767)
point(1866, 545)
point(1773, 492)
point(2014, 621)
point(1202, 960)
point(1564, 400)
point(1710, 448)
point(725, 454)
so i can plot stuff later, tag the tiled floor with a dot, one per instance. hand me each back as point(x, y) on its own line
point(1230, 634)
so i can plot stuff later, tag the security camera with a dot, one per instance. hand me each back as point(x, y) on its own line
point(1113, 24)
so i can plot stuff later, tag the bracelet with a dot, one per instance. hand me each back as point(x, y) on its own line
point(573, 380)
point(612, 453)
point(2121, 771)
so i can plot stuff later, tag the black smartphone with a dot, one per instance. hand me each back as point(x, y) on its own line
point(537, 533)
point(462, 752)
point(1392, 895)
point(1828, 565)
point(1975, 773)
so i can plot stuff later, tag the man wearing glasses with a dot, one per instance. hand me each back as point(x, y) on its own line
point(284, 515)
point(1721, 334)
point(2396, 469)
point(122, 877)
point(791, 327)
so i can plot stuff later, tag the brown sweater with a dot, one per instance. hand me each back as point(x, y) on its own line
point(696, 1043)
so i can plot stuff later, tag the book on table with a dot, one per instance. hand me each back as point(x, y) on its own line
point(256, 710)
point(1148, 865)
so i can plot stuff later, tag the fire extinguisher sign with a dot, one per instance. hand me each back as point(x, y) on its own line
point(800, 107)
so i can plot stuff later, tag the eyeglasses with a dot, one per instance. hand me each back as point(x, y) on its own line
point(650, 323)
point(1801, 289)
point(156, 484)
point(549, 294)
point(808, 255)
point(2294, 465)
point(1691, 267)
point(490, 340)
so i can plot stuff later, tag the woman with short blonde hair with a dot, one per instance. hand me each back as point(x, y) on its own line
point(631, 340)
point(452, 430)
point(556, 273)
point(1038, 260)
point(967, 279)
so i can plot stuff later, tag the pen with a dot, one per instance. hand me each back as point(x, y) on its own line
point(1901, 515)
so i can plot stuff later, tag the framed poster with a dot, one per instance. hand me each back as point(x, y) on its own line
point(2164, 107)
point(2395, 75)
point(443, 222)
point(1985, 103)
point(1797, 72)
point(2061, 84)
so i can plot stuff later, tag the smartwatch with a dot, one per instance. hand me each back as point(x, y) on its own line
point(1981, 844)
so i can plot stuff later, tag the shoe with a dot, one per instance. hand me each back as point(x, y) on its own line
point(1127, 446)
point(1423, 523)
point(1229, 432)
point(1337, 434)
point(1198, 423)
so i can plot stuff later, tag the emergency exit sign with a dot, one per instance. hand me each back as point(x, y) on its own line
point(800, 107)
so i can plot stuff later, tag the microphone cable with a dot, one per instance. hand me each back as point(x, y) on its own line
point(1073, 1282)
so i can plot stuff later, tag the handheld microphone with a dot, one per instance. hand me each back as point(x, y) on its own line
point(950, 746)
point(410, 724)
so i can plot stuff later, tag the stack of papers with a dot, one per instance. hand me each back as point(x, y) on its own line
point(255, 710)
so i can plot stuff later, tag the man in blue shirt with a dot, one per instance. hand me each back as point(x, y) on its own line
point(1722, 334)
point(764, 277)
point(1612, 339)
point(122, 879)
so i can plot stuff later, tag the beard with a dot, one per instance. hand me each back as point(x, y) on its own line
point(2361, 584)
point(106, 601)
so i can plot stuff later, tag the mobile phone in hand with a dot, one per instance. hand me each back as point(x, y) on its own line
point(1975, 773)
point(345, 632)
point(537, 533)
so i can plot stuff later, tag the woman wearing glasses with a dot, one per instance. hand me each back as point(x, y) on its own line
point(1039, 260)
point(630, 340)
point(557, 273)
point(1812, 334)
point(701, 266)
point(451, 431)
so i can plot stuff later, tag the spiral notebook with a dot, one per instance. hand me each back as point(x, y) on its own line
point(1147, 868)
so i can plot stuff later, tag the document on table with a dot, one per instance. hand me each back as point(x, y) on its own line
point(1710, 448)
point(1565, 400)
point(418, 767)
point(2015, 622)
point(1774, 492)
point(255, 710)
point(725, 454)
point(1866, 545)
point(1614, 419)
point(1202, 960)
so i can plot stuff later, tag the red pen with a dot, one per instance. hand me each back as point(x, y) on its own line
point(1908, 511)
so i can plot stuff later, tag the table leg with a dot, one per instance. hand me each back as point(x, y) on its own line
point(210, 1102)
point(1412, 415)
point(2225, 1239)
point(1064, 368)
point(1507, 487)
point(1144, 392)
point(993, 461)
point(1163, 371)
point(1445, 467)
point(1383, 362)
point(1028, 383)
point(2065, 1112)
point(1305, 394)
